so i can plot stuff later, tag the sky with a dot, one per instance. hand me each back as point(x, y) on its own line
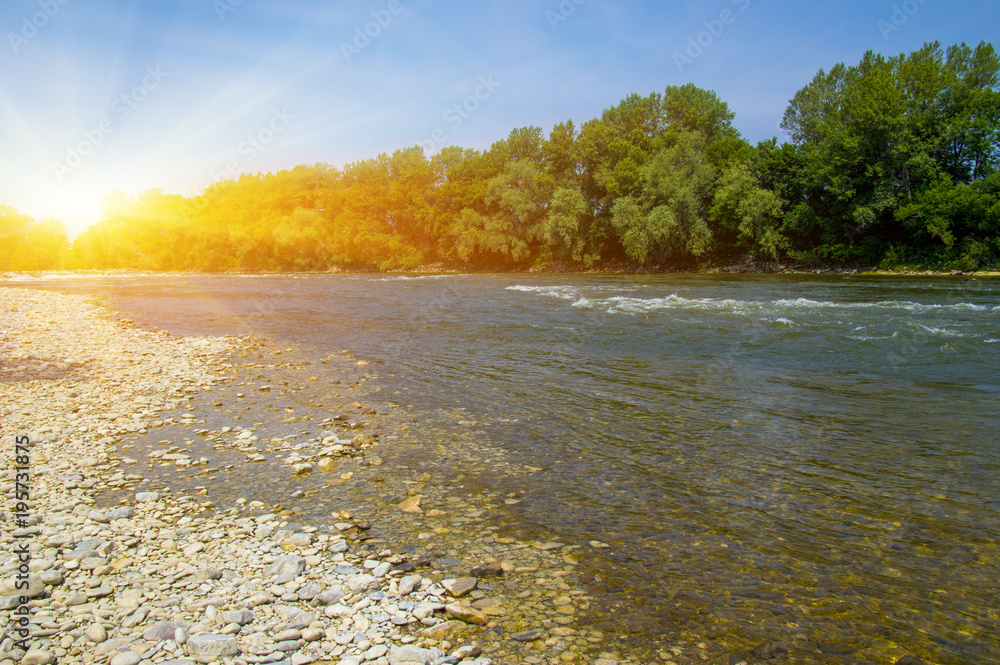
point(131, 95)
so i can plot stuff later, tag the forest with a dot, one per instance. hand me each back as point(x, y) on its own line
point(890, 162)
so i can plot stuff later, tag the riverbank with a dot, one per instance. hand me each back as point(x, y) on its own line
point(423, 271)
point(168, 576)
point(762, 268)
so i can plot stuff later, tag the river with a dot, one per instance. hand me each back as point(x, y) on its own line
point(813, 460)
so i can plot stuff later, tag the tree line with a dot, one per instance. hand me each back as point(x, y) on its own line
point(889, 162)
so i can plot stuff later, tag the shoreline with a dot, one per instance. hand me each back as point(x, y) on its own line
point(147, 581)
point(608, 272)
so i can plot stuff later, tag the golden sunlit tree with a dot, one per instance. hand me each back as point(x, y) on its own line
point(26, 244)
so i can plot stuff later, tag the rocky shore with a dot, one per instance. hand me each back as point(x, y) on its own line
point(169, 578)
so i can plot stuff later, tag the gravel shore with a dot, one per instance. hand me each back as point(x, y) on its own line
point(170, 578)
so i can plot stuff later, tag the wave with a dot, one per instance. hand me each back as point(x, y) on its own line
point(872, 338)
point(408, 278)
point(632, 305)
point(885, 304)
point(942, 332)
point(570, 292)
point(564, 292)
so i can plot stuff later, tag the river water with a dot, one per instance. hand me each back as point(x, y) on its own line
point(812, 460)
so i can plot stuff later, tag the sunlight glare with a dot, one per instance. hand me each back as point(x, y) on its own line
point(76, 205)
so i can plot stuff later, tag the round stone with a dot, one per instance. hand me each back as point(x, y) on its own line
point(38, 657)
point(126, 658)
point(290, 634)
point(96, 633)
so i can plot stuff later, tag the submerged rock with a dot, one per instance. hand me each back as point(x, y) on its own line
point(459, 587)
point(411, 505)
point(487, 570)
point(766, 651)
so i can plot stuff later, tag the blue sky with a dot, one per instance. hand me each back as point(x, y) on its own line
point(98, 95)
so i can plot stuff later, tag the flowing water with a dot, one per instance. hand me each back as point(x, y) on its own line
point(812, 460)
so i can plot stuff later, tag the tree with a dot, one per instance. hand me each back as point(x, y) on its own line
point(873, 137)
point(754, 211)
point(13, 226)
point(29, 245)
point(299, 242)
point(516, 203)
point(668, 218)
point(568, 232)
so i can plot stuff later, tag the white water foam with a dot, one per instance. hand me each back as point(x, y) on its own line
point(943, 332)
point(564, 292)
point(408, 278)
point(871, 338)
point(632, 305)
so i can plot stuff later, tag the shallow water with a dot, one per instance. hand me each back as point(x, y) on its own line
point(808, 460)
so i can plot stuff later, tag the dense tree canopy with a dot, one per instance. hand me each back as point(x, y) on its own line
point(892, 160)
point(896, 156)
point(29, 245)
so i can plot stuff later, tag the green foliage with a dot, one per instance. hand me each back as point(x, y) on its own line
point(668, 218)
point(488, 238)
point(894, 159)
point(880, 146)
point(513, 218)
point(567, 228)
point(956, 222)
point(755, 212)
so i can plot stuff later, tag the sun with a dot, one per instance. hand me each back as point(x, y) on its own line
point(77, 205)
point(76, 209)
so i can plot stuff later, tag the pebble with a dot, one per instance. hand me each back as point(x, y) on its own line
point(411, 505)
point(413, 655)
point(239, 617)
point(287, 635)
point(126, 658)
point(164, 630)
point(460, 587)
point(96, 633)
point(207, 648)
point(37, 657)
point(171, 579)
point(466, 614)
